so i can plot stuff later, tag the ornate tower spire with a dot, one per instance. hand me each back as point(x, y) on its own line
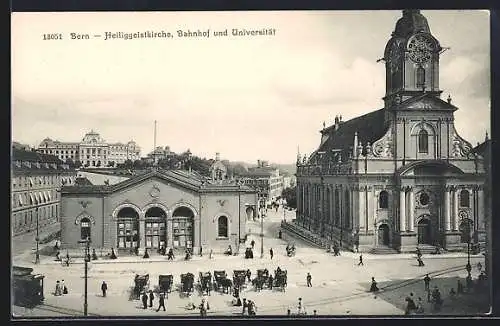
point(412, 59)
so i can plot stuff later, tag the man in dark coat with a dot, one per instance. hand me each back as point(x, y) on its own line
point(144, 300)
point(309, 279)
point(427, 281)
point(271, 253)
point(151, 298)
point(104, 288)
point(161, 301)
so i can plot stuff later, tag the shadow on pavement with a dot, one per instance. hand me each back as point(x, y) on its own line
point(395, 292)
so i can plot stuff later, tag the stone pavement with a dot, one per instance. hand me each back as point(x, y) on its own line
point(339, 285)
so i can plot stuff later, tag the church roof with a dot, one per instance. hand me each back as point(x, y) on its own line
point(483, 148)
point(370, 127)
point(181, 178)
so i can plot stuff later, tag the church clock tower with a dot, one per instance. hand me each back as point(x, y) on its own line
point(411, 59)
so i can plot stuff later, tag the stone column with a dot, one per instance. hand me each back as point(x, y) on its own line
point(455, 209)
point(142, 231)
point(402, 210)
point(447, 224)
point(481, 208)
point(170, 233)
point(361, 207)
point(411, 220)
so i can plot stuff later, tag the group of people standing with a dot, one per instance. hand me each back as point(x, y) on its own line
point(61, 288)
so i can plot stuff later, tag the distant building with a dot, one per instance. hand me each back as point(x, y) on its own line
point(265, 178)
point(35, 183)
point(218, 170)
point(92, 151)
point(159, 153)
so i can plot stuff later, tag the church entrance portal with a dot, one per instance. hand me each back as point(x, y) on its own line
point(424, 231)
point(383, 235)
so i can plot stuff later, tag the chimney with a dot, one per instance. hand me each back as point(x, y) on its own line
point(258, 164)
point(217, 156)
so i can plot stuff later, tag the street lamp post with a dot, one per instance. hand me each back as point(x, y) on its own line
point(261, 230)
point(86, 259)
point(468, 267)
point(37, 239)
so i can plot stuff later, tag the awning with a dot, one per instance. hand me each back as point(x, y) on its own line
point(31, 182)
point(48, 193)
point(45, 196)
point(40, 198)
point(33, 200)
point(21, 200)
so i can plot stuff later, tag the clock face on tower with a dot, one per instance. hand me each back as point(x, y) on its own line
point(420, 48)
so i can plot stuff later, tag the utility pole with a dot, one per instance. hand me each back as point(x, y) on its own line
point(261, 227)
point(86, 259)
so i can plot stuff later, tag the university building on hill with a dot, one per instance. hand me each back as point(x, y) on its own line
point(401, 176)
point(172, 208)
point(92, 151)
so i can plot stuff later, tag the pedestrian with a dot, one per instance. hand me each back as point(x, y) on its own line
point(420, 262)
point(211, 253)
point(427, 281)
point(271, 253)
point(144, 300)
point(104, 288)
point(161, 302)
point(146, 254)
point(58, 290)
point(420, 306)
point(94, 255)
point(151, 298)
point(479, 267)
point(360, 260)
point(204, 307)
point(356, 245)
point(270, 282)
point(252, 309)
point(252, 243)
point(249, 274)
point(64, 288)
point(309, 279)
point(244, 307)
point(279, 234)
point(113, 255)
point(410, 304)
point(373, 287)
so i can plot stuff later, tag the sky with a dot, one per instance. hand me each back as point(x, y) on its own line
point(246, 97)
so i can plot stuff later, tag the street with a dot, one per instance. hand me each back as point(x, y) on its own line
point(339, 285)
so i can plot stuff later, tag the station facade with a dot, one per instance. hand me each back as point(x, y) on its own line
point(175, 209)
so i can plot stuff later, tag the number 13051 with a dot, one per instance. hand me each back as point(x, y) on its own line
point(52, 37)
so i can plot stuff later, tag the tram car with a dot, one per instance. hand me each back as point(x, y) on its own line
point(27, 288)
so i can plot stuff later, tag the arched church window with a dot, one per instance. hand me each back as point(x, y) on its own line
point(383, 199)
point(423, 141)
point(222, 226)
point(464, 198)
point(420, 77)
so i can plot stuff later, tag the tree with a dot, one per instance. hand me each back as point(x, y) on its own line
point(128, 164)
point(290, 195)
point(111, 164)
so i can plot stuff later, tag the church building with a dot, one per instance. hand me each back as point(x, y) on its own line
point(160, 208)
point(401, 176)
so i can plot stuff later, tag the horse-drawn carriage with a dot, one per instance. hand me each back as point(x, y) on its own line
point(165, 283)
point(205, 281)
point(222, 282)
point(280, 279)
point(187, 283)
point(27, 287)
point(239, 278)
point(261, 280)
point(141, 283)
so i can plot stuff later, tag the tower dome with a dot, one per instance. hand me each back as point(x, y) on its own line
point(412, 22)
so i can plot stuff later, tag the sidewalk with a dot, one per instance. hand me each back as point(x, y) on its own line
point(27, 241)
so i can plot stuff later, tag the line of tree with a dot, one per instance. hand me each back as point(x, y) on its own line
point(290, 195)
